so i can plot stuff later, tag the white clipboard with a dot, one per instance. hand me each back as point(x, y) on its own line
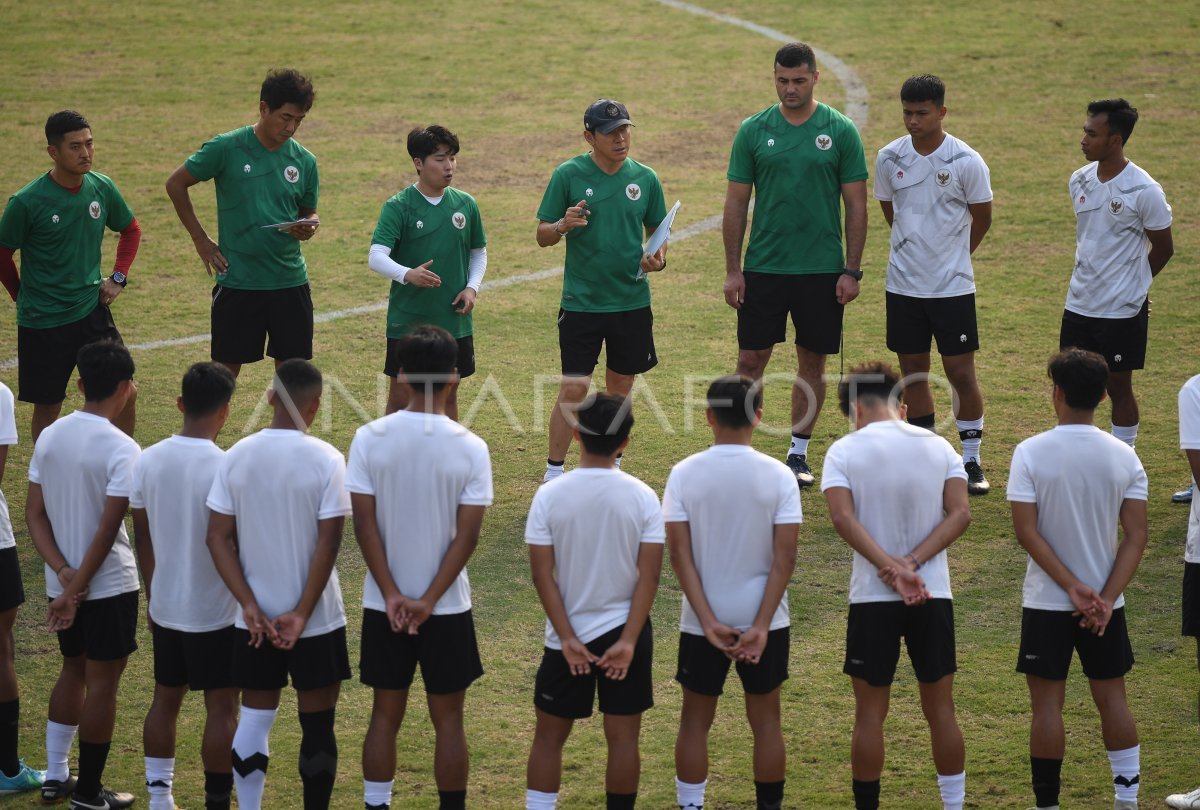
point(660, 236)
point(283, 226)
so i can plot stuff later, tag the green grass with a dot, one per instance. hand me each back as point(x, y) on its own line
point(512, 79)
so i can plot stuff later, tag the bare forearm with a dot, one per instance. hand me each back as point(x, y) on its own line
point(1129, 555)
point(733, 233)
point(783, 564)
point(649, 572)
point(329, 540)
point(552, 604)
point(679, 544)
point(856, 234)
point(181, 198)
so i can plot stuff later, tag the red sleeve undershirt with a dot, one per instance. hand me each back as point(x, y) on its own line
point(127, 248)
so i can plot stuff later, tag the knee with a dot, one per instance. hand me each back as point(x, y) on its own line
point(752, 363)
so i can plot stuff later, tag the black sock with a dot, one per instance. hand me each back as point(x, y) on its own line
point(452, 800)
point(769, 795)
point(318, 758)
point(866, 795)
point(92, 759)
point(619, 801)
point(10, 716)
point(218, 790)
point(1045, 780)
point(928, 422)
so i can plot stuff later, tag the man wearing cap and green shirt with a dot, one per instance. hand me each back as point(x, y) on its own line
point(602, 203)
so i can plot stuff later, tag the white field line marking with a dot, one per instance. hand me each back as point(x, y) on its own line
point(856, 108)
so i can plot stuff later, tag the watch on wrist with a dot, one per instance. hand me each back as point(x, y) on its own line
point(119, 278)
point(854, 274)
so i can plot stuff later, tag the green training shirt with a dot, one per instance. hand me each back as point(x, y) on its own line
point(58, 233)
point(257, 187)
point(416, 231)
point(797, 173)
point(603, 258)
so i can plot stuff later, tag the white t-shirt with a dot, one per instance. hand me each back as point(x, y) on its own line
point(1112, 266)
point(732, 497)
point(931, 227)
point(279, 483)
point(420, 468)
point(1189, 439)
point(897, 474)
point(80, 461)
point(1078, 476)
point(171, 481)
point(596, 519)
point(8, 436)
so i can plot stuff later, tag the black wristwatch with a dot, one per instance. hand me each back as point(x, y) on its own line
point(119, 278)
point(854, 274)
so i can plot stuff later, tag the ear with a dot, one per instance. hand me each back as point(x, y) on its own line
point(271, 397)
point(263, 109)
point(418, 164)
point(903, 411)
point(52, 151)
point(589, 137)
point(79, 385)
point(711, 417)
point(179, 403)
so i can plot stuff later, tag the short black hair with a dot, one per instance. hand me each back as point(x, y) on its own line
point(423, 142)
point(427, 355)
point(59, 124)
point(1082, 376)
point(206, 387)
point(1121, 116)
point(734, 399)
point(103, 366)
point(287, 86)
point(875, 380)
point(300, 380)
point(795, 54)
point(604, 423)
point(925, 87)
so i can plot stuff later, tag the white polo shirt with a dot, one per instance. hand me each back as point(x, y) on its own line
point(420, 468)
point(279, 483)
point(596, 519)
point(8, 436)
point(897, 474)
point(1112, 267)
point(931, 227)
point(732, 497)
point(80, 461)
point(1189, 439)
point(171, 481)
point(1078, 475)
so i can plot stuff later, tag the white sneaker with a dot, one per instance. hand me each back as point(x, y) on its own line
point(1185, 801)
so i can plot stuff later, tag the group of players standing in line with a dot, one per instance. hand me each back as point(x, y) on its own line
point(596, 535)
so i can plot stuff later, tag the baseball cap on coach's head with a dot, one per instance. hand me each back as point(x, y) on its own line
point(604, 115)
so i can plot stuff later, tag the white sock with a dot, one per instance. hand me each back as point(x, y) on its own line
point(375, 793)
point(970, 441)
point(536, 800)
point(1127, 434)
point(160, 772)
point(553, 471)
point(799, 446)
point(617, 462)
point(251, 750)
point(58, 749)
point(1126, 770)
point(688, 794)
point(953, 790)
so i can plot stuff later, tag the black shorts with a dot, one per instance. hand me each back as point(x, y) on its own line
point(627, 337)
point(558, 692)
point(465, 364)
point(243, 319)
point(1191, 599)
point(198, 661)
point(811, 299)
point(104, 629)
point(703, 668)
point(1048, 637)
point(12, 591)
point(1122, 341)
point(314, 663)
point(445, 647)
point(46, 357)
point(874, 630)
point(912, 324)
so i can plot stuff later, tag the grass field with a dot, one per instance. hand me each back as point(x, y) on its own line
point(512, 78)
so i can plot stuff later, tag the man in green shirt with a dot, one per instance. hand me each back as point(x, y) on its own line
point(430, 242)
point(263, 178)
point(602, 203)
point(58, 223)
point(802, 159)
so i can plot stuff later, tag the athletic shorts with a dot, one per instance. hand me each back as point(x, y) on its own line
point(46, 357)
point(1122, 341)
point(1048, 637)
point(703, 668)
point(811, 300)
point(627, 337)
point(873, 634)
point(104, 629)
point(314, 663)
point(243, 319)
point(465, 364)
point(445, 648)
point(913, 323)
point(12, 590)
point(559, 693)
point(1191, 599)
point(198, 661)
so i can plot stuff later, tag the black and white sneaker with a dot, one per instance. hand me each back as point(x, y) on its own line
point(976, 483)
point(56, 790)
point(106, 800)
point(1184, 495)
point(798, 464)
